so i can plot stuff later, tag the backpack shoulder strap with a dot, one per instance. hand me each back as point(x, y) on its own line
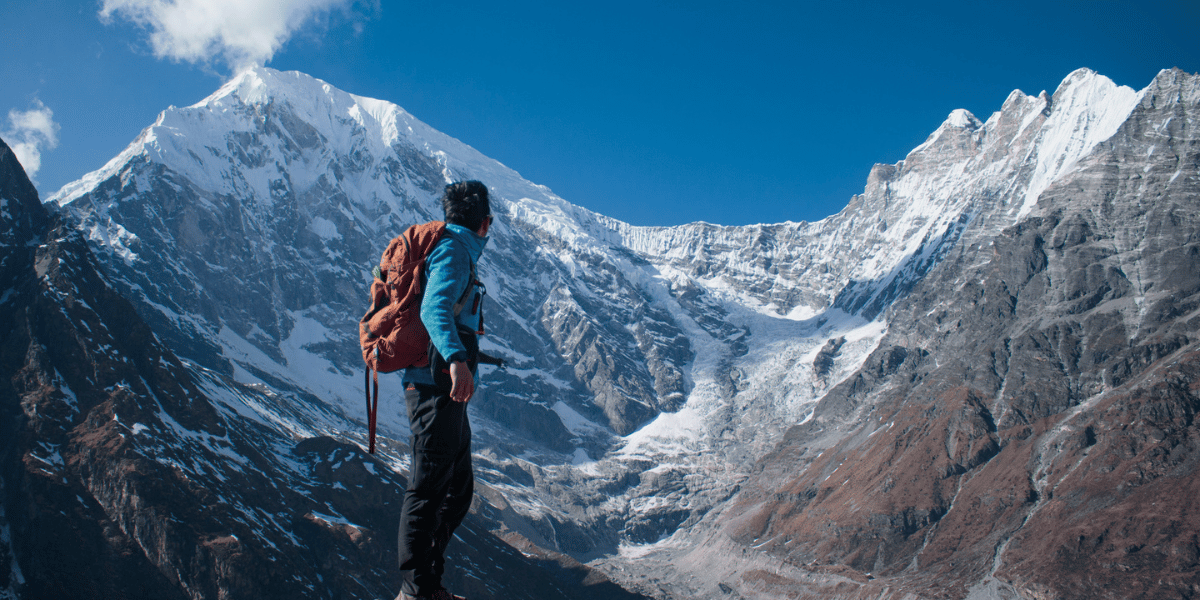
point(462, 301)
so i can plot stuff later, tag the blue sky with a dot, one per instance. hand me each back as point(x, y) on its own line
point(653, 112)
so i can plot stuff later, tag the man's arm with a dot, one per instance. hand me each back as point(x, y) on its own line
point(447, 276)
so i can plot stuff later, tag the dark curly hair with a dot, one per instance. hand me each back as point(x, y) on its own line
point(466, 203)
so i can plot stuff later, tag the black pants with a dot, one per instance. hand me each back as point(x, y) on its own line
point(440, 486)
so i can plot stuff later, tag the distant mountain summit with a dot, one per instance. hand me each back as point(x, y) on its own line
point(786, 410)
point(246, 225)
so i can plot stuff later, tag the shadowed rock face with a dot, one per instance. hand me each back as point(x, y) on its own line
point(1029, 420)
point(122, 477)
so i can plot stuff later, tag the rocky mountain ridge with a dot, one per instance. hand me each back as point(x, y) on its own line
point(1026, 427)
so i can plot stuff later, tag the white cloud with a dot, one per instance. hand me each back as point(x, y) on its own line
point(242, 33)
point(29, 132)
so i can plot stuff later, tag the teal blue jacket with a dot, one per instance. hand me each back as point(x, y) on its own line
point(448, 271)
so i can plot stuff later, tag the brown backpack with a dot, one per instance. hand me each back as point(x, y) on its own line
point(391, 334)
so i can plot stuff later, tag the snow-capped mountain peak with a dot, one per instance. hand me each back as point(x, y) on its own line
point(963, 118)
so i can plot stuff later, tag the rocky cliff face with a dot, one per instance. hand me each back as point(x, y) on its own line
point(903, 396)
point(128, 474)
point(1026, 428)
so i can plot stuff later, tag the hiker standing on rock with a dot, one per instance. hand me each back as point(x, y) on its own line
point(441, 484)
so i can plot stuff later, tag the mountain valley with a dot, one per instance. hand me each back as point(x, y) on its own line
point(976, 381)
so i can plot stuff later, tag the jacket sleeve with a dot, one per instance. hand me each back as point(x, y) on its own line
point(447, 273)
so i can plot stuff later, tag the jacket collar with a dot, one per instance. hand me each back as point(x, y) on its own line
point(473, 241)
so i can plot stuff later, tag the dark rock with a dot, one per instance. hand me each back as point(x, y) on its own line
point(823, 363)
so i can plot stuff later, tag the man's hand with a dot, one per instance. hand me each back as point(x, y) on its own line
point(462, 385)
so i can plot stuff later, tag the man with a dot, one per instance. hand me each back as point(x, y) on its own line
point(441, 484)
